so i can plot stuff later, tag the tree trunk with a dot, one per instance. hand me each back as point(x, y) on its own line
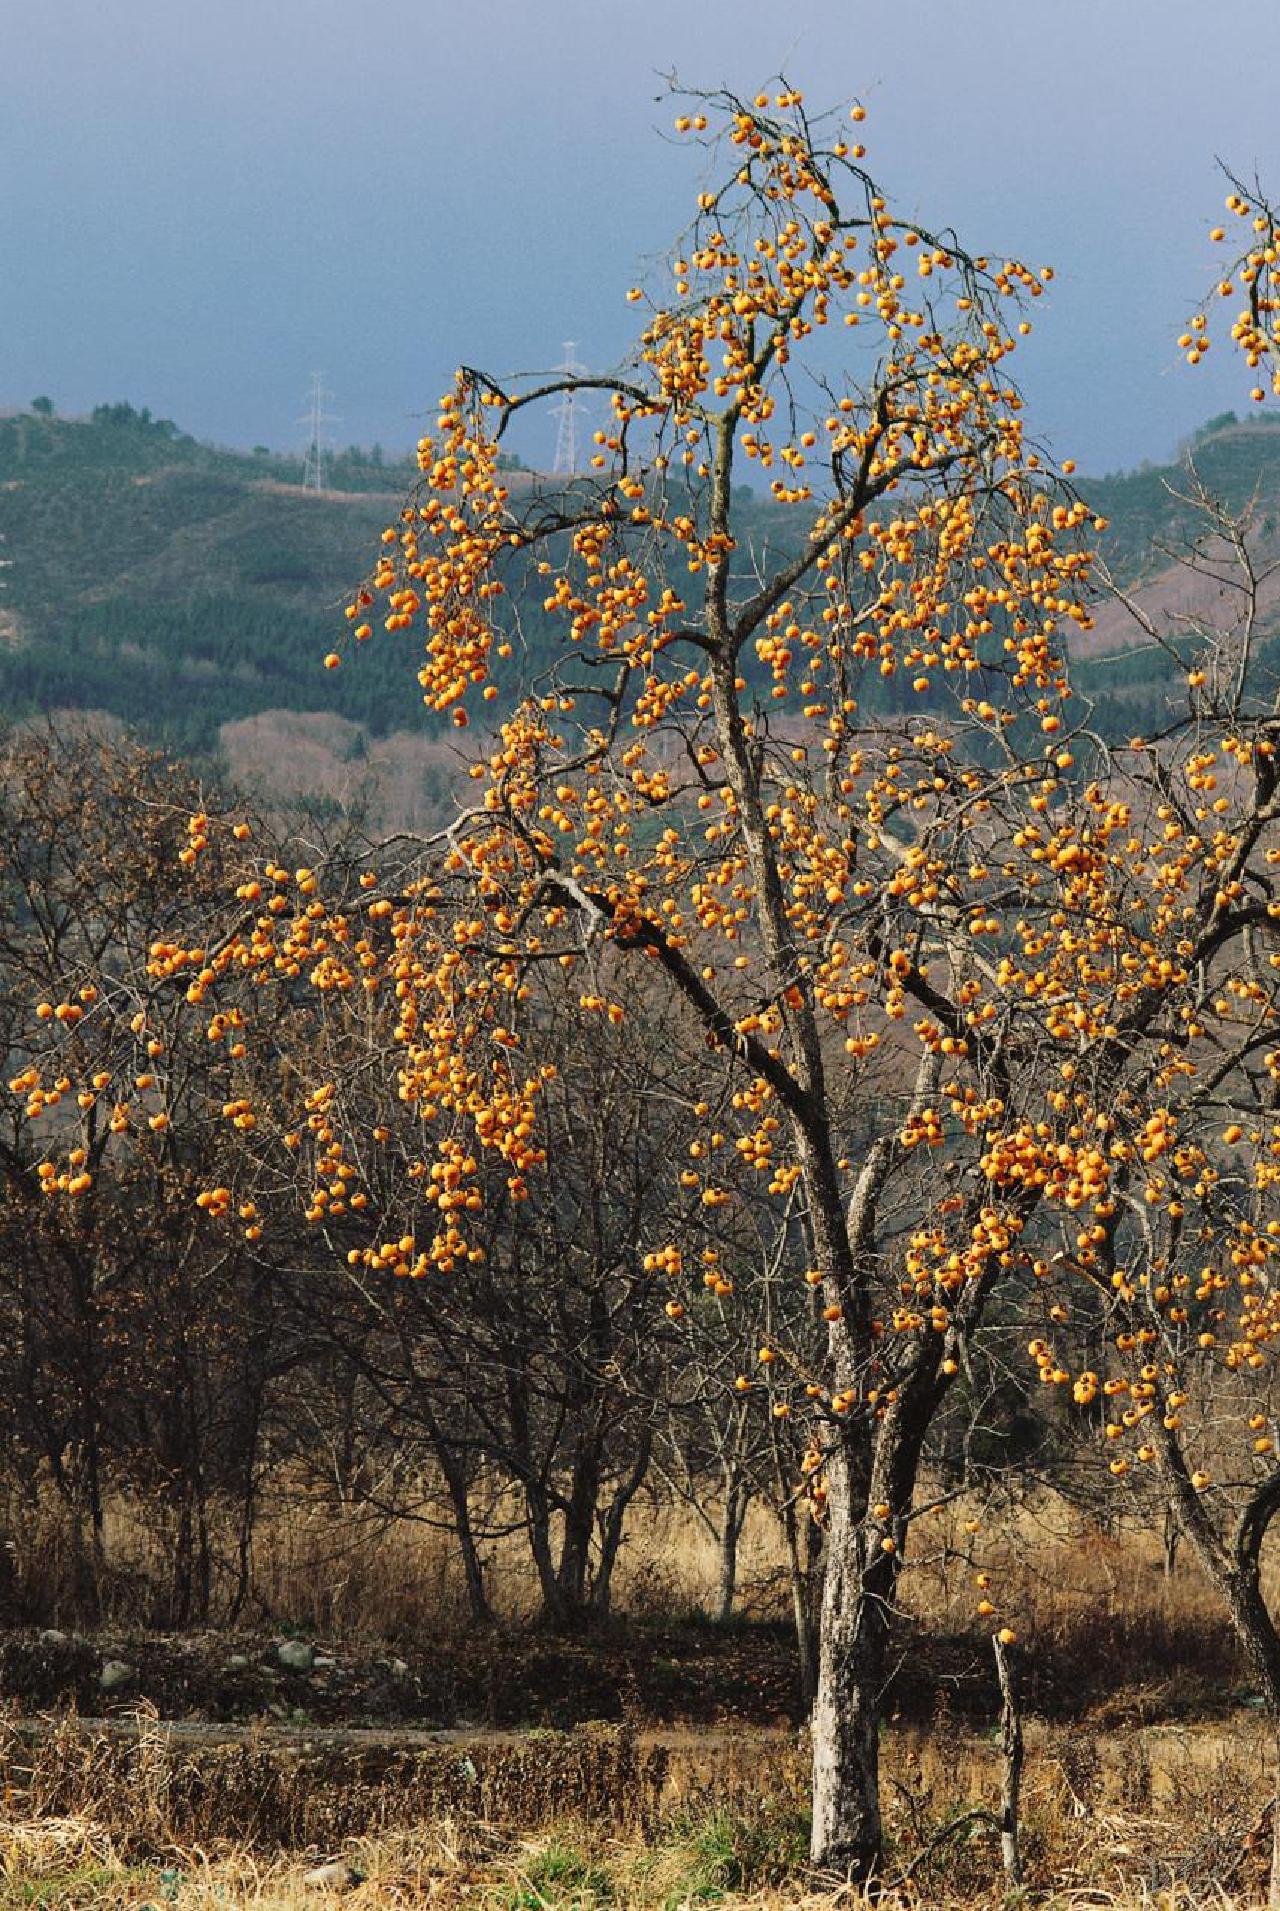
point(473, 1568)
point(799, 1571)
point(1257, 1635)
point(1172, 1534)
point(453, 1467)
point(455, 1480)
point(244, 1555)
point(204, 1561)
point(735, 1512)
point(574, 1571)
point(181, 1565)
point(873, 1466)
point(856, 1604)
point(247, 1509)
point(612, 1524)
point(1235, 1574)
point(538, 1527)
point(1012, 1750)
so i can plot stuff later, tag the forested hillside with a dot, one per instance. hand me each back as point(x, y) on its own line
point(180, 587)
point(185, 588)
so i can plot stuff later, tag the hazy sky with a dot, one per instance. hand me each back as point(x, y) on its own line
point(203, 201)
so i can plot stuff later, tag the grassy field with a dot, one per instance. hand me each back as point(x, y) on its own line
point(681, 1777)
point(1155, 1818)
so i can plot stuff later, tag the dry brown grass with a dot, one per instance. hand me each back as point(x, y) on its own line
point(1127, 1861)
point(155, 1786)
point(1050, 1563)
point(1152, 1817)
point(344, 1571)
point(355, 1573)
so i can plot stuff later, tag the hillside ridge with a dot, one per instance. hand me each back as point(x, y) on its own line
point(192, 592)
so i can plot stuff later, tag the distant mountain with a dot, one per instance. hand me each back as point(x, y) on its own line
point(1153, 521)
point(1237, 462)
point(193, 592)
point(181, 587)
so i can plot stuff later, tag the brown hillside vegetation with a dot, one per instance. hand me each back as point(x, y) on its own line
point(403, 781)
point(1184, 601)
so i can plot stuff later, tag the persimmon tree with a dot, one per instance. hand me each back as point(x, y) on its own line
point(1157, 1154)
point(543, 1365)
point(140, 1348)
point(806, 759)
point(1180, 1088)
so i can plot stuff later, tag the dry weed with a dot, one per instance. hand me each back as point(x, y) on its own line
point(346, 1571)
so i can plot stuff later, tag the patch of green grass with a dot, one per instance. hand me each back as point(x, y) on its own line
point(726, 1852)
point(79, 1887)
point(560, 1878)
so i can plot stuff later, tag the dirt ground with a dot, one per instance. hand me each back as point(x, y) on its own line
point(645, 1673)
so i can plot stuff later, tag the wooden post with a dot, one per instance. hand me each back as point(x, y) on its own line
point(1012, 1750)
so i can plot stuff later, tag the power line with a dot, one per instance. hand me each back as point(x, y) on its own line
point(567, 412)
point(315, 418)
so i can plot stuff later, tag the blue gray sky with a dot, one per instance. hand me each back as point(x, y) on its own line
point(200, 204)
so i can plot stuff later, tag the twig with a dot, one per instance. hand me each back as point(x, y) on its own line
point(978, 1816)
